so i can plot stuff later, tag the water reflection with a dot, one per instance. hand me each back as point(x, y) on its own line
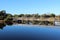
point(9, 23)
point(2, 25)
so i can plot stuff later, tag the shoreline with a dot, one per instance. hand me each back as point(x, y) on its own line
point(33, 25)
point(42, 26)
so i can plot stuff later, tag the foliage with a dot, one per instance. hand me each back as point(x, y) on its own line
point(52, 15)
point(28, 15)
point(15, 15)
point(36, 15)
point(2, 15)
point(21, 15)
point(45, 16)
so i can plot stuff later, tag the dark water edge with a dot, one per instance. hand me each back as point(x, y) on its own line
point(29, 32)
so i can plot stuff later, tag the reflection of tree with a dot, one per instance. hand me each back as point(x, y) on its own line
point(9, 23)
point(2, 25)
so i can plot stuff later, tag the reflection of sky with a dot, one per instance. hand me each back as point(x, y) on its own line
point(30, 31)
point(30, 6)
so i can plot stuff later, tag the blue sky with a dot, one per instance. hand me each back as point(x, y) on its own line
point(30, 6)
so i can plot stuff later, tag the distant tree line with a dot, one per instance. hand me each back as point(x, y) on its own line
point(35, 15)
point(4, 15)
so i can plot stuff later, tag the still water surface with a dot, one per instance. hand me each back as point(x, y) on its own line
point(30, 32)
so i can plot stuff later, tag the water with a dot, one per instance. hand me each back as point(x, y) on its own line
point(30, 32)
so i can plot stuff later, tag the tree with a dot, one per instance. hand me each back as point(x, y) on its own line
point(15, 15)
point(21, 15)
point(45, 16)
point(28, 15)
point(2, 14)
point(8, 17)
point(52, 15)
point(36, 15)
